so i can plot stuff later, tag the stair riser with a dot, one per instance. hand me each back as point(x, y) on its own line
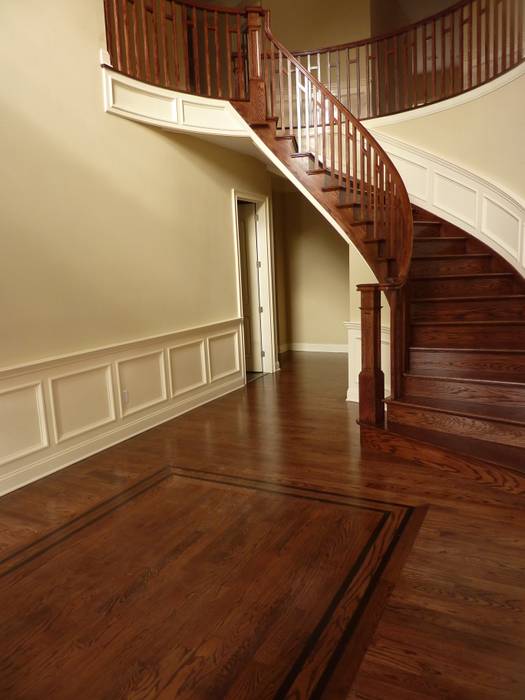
point(451, 266)
point(439, 246)
point(482, 310)
point(463, 287)
point(494, 336)
point(494, 394)
point(453, 424)
point(469, 365)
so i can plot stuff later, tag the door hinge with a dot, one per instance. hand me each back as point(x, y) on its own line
point(263, 354)
point(259, 263)
point(260, 309)
point(257, 218)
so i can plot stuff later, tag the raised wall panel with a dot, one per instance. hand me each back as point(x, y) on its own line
point(415, 176)
point(82, 401)
point(206, 116)
point(187, 367)
point(223, 355)
point(22, 422)
point(501, 225)
point(143, 102)
point(144, 380)
point(453, 196)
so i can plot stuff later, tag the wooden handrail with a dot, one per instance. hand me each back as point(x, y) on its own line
point(451, 52)
point(339, 142)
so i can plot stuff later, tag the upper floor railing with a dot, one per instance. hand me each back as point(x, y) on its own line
point(458, 49)
point(180, 45)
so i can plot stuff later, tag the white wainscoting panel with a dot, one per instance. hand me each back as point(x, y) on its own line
point(354, 359)
point(22, 406)
point(81, 401)
point(187, 367)
point(464, 198)
point(223, 353)
point(81, 396)
point(142, 382)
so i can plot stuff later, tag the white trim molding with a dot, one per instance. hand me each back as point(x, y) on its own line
point(314, 347)
point(58, 411)
point(449, 103)
point(463, 198)
point(354, 358)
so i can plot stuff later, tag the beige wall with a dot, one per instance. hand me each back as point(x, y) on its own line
point(484, 136)
point(111, 230)
point(312, 274)
point(389, 15)
point(310, 24)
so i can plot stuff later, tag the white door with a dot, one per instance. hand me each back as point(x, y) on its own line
point(251, 304)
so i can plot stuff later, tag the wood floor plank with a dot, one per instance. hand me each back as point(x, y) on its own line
point(199, 559)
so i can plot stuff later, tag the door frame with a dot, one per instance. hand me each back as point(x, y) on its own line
point(263, 210)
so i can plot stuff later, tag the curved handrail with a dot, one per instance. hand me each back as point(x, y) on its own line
point(340, 143)
point(453, 51)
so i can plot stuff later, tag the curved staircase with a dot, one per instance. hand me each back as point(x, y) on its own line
point(457, 307)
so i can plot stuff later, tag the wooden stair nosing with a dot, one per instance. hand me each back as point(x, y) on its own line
point(459, 410)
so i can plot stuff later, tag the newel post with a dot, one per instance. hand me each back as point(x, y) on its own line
point(371, 377)
point(255, 109)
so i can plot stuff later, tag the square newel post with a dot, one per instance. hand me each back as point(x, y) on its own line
point(371, 377)
point(255, 109)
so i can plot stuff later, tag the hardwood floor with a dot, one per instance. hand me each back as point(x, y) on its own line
point(247, 550)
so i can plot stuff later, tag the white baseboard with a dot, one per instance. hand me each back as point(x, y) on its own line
point(314, 347)
point(57, 412)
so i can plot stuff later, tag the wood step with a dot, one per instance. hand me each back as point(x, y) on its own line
point(470, 448)
point(473, 390)
point(463, 285)
point(332, 188)
point(302, 155)
point(427, 229)
point(501, 425)
point(469, 334)
point(505, 307)
point(432, 265)
point(496, 365)
point(440, 245)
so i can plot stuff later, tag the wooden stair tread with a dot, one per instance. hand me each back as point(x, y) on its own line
point(500, 414)
point(491, 322)
point(507, 456)
point(502, 351)
point(421, 222)
point(465, 275)
point(429, 239)
point(453, 256)
point(466, 380)
point(499, 297)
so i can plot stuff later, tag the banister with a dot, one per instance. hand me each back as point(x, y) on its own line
point(441, 56)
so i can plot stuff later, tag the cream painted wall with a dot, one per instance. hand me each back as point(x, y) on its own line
point(111, 231)
point(310, 24)
point(312, 274)
point(389, 15)
point(485, 136)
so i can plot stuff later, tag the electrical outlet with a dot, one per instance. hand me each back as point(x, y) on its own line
point(125, 397)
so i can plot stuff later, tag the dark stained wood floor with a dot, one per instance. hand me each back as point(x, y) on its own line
point(122, 576)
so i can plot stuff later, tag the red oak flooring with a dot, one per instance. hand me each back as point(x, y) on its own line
point(89, 554)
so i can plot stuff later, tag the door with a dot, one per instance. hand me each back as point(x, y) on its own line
point(251, 297)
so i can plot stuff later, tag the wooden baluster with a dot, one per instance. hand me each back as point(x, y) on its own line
point(368, 199)
point(290, 103)
point(478, 42)
point(386, 82)
point(348, 64)
point(316, 130)
point(174, 33)
point(354, 164)
point(240, 59)
point(207, 66)
point(125, 28)
point(406, 98)
point(397, 80)
point(273, 98)
point(218, 58)
point(487, 40)
point(376, 71)
point(298, 110)
point(186, 47)
point(495, 57)
point(470, 42)
point(163, 45)
point(443, 53)
point(358, 80)
point(136, 61)
point(348, 170)
point(513, 58)
point(229, 55)
point(196, 53)
point(371, 377)
point(332, 139)
point(425, 63)
point(323, 132)
point(281, 91)
point(521, 52)
point(338, 74)
point(453, 52)
point(340, 147)
point(434, 59)
point(362, 168)
point(117, 34)
point(504, 30)
point(461, 50)
point(155, 37)
point(368, 86)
